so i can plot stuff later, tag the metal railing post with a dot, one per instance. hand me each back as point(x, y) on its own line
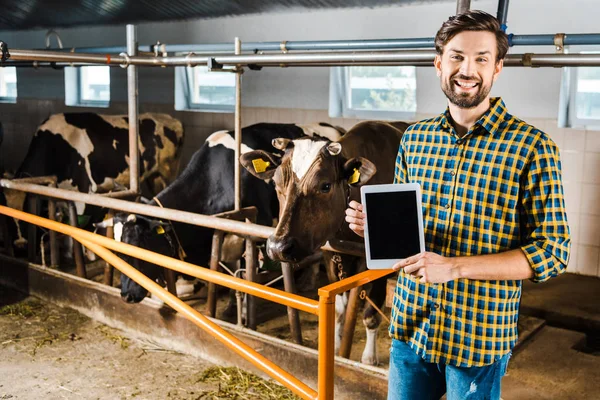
point(238, 129)
point(77, 248)
point(326, 347)
point(108, 268)
point(132, 106)
point(462, 6)
point(215, 257)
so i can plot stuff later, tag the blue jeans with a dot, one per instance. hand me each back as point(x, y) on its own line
point(411, 378)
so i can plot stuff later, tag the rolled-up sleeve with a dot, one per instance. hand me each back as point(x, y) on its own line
point(547, 236)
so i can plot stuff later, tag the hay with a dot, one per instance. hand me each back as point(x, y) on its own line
point(23, 309)
point(113, 337)
point(237, 384)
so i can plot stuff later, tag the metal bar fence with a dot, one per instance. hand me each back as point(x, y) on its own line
point(324, 308)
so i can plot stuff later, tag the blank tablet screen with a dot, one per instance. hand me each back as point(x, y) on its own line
point(393, 224)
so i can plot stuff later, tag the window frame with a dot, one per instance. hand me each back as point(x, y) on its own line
point(183, 94)
point(574, 120)
point(340, 95)
point(7, 99)
point(73, 81)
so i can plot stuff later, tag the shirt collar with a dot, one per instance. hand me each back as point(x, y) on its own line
point(490, 120)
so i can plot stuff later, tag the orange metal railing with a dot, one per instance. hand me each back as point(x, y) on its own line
point(324, 308)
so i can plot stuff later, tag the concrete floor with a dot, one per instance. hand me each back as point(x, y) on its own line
point(548, 366)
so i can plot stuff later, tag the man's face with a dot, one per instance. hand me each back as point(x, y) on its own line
point(467, 68)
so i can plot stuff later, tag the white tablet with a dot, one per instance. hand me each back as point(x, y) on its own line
point(394, 225)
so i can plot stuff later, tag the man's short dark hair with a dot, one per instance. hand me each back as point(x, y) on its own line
point(472, 20)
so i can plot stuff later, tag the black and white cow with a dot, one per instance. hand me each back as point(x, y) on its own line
point(89, 153)
point(206, 187)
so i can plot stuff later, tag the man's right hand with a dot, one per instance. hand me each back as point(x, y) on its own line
point(356, 218)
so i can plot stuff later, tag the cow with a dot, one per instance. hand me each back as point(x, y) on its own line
point(89, 153)
point(206, 187)
point(315, 180)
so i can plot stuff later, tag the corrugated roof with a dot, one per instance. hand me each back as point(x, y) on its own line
point(29, 14)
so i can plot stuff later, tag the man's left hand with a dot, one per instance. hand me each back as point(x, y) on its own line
point(429, 267)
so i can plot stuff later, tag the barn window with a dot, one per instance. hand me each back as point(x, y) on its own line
point(584, 104)
point(196, 88)
point(87, 86)
point(373, 92)
point(8, 85)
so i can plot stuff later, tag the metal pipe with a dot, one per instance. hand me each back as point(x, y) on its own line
point(203, 322)
point(251, 270)
point(108, 268)
point(237, 166)
point(54, 251)
point(502, 13)
point(344, 285)
point(77, 249)
point(326, 347)
point(132, 105)
point(255, 289)
point(571, 39)
point(144, 209)
point(185, 217)
point(32, 229)
point(349, 323)
point(407, 57)
point(293, 316)
point(462, 6)
point(215, 257)
point(336, 45)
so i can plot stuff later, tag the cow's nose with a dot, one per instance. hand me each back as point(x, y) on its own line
point(128, 298)
point(281, 249)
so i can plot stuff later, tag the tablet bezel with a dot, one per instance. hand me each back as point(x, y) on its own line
point(387, 188)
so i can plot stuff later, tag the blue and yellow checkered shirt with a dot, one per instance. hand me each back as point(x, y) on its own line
point(495, 189)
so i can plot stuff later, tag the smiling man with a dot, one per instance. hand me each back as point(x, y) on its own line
point(493, 213)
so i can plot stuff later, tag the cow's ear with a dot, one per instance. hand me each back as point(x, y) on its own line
point(260, 163)
point(358, 171)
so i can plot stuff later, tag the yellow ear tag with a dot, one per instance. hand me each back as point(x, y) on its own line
point(260, 165)
point(160, 230)
point(354, 178)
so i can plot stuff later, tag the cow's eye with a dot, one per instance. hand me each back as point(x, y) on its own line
point(325, 187)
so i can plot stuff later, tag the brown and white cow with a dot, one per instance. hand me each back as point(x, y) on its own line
point(313, 184)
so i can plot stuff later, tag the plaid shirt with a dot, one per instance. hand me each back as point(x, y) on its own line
point(495, 189)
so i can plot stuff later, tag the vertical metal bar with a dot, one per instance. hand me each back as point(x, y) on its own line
point(326, 356)
point(32, 230)
point(462, 6)
point(108, 268)
point(8, 245)
point(77, 249)
point(215, 256)
point(171, 281)
point(349, 323)
point(502, 13)
point(54, 252)
point(132, 103)
point(238, 130)
point(251, 266)
point(293, 316)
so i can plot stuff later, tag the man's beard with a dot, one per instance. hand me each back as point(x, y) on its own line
point(464, 100)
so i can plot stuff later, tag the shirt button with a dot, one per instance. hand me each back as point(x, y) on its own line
point(436, 306)
point(459, 142)
point(447, 206)
point(452, 173)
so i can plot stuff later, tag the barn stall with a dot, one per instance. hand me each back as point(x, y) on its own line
point(577, 145)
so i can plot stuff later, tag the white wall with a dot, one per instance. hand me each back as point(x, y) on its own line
point(527, 92)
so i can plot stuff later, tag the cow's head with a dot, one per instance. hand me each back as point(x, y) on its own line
point(148, 234)
point(313, 181)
